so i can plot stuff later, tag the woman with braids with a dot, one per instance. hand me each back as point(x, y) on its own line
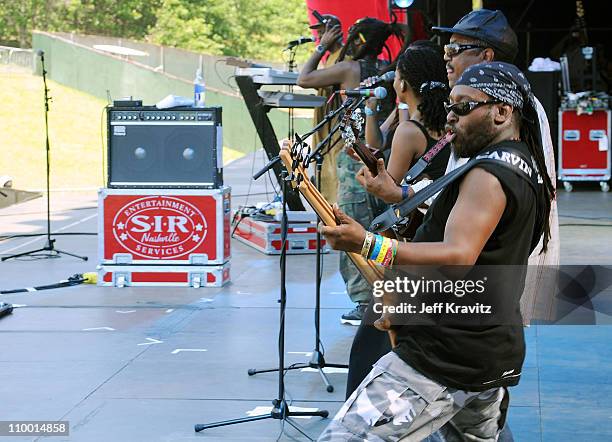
point(421, 87)
point(420, 83)
point(365, 42)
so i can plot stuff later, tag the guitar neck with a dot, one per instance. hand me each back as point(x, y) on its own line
point(370, 271)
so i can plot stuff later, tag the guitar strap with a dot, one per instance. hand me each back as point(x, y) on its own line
point(426, 158)
point(507, 157)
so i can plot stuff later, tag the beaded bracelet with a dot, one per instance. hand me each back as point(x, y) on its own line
point(369, 112)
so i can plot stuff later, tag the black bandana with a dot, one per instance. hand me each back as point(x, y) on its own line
point(502, 81)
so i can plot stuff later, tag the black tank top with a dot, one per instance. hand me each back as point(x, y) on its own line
point(468, 357)
point(437, 167)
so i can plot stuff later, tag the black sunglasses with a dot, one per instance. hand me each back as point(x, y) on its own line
point(453, 49)
point(465, 107)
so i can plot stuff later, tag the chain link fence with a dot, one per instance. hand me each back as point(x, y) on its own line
point(17, 57)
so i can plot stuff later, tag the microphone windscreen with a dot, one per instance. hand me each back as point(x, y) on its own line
point(380, 92)
point(388, 76)
point(40, 52)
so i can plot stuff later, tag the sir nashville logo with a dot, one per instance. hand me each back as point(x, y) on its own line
point(159, 227)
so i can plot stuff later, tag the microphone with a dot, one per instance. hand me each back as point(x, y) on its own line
point(380, 92)
point(299, 41)
point(40, 52)
point(384, 78)
point(389, 76)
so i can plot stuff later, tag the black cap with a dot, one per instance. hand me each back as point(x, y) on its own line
point(489, 26)
point(326, 19)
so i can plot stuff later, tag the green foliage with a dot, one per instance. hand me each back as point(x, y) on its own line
point(245, 28)
point(19, 17)
point(117, 18)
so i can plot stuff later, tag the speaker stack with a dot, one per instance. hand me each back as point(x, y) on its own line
point(164, 215)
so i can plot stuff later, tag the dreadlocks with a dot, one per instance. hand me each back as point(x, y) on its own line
point(424, 70)
point(373, 34)
point(530, 134)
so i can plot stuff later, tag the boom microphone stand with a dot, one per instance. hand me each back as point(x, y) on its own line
point(281, 409)
point(317, 360)
point(50, 244)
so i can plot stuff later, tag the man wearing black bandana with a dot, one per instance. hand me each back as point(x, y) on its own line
point(489, 216)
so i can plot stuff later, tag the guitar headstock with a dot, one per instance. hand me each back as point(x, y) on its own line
point(351, 126)
point(294, 157)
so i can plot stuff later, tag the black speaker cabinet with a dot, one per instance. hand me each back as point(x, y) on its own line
point(167, 148)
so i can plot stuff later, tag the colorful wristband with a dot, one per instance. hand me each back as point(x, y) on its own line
point(386, 243)
point(369, 112)
point(376, 248)
point(388, 256)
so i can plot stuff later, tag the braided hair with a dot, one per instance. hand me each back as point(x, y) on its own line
point(424, 70)
point(373, 33)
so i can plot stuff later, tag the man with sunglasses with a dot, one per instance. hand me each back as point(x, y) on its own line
point(454, 370)
point(485, 36)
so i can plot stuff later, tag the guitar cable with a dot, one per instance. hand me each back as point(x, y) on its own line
point(76, 279)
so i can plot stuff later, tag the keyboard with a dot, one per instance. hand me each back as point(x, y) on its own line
point(286, 99)
point(266, 75)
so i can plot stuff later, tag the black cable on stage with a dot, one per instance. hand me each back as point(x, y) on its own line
point(76, 279)
point(5, 309)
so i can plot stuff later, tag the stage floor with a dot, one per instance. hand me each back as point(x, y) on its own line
point(146, 364)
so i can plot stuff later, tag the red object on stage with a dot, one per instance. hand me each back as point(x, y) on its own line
point(584, 146)
point(349, 12)
point(164, 226)
point(164, 237)
point(154, 275)
point(266, 237)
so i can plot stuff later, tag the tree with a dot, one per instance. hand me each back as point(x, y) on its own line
point(237, 27)
point(117, 18)
point(18, 18)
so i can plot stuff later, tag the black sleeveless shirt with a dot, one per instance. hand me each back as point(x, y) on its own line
point(477, 358)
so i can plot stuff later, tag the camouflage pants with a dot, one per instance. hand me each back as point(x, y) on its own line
point(354, 201)
point(396, 402)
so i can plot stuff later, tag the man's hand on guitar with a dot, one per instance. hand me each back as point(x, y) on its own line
point(348, 235)
point(382, 185)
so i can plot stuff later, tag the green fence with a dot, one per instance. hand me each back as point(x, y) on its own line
point(73, 61)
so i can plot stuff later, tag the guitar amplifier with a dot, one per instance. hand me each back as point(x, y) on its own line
point(165, 148)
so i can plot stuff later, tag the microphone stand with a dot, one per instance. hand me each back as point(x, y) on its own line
point(317, 360)
point(50, 244)
point(281, 410)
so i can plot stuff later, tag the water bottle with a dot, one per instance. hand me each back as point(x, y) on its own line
point(199, 89)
